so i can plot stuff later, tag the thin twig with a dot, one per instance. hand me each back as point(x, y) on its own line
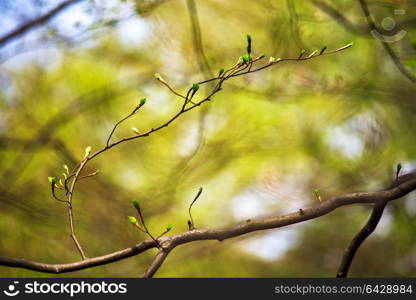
point(135, 110)
point(70, 211)
point(191, 223)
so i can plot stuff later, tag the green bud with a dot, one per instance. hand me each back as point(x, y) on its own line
point(52, 180)
point(87, 151)
point(302, 53)
point(323, 50)
point(221, 72)
point(169, 227)
point(399, 166)
point(135, 203)
point(132, 220)
point(245, 58)
point(263, 55)
point(158, 77)
point(195, 87)
point(200, 190)
point(316, 192)
point(142, 101)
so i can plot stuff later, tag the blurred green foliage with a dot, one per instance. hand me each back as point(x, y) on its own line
point(339, 123)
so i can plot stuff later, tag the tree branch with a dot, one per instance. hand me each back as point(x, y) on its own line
point(35, 22)
point(359, 238)
point(156, 263)
point(404, 185)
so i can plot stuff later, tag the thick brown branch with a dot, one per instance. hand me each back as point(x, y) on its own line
point(359, 238)
point(35, 22)
point(404, 185)
point(156, 263)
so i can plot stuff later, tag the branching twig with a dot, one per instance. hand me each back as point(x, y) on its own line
point(135, 110)
point(404, 185)
point(245, 62)
point(191, 223)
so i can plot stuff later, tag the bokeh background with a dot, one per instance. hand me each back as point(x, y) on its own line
point(338, 123)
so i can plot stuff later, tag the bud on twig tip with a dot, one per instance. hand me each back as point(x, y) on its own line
point(87, 151)
point(132, 220)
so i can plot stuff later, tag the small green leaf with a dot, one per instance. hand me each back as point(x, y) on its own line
point(263, 55)
point(195, 87)
point(132, 220)
point(52, 180)
point(316, 192)
point(221, 72)
point(142, 101)
point(169, 227)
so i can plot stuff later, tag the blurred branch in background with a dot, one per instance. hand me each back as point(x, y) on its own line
point(24, 28)
point(372, 26)
point(175, 177)
point(294, 25)
point(367, 30)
